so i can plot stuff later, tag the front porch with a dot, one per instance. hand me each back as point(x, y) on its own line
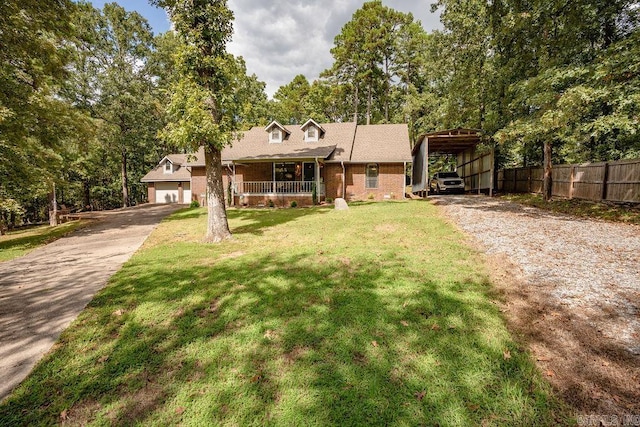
point(280, 182)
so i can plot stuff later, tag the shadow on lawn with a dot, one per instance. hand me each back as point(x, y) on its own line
point(278, 339)
point(255, 221)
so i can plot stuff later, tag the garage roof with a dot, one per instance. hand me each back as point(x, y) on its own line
point(452, 141)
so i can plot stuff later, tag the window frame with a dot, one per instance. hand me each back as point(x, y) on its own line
point(314, 137)
point(273, 137)
point(368, 178)
point(281, 169)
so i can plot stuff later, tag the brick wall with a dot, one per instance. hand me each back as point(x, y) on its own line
point(391, 181)
point(255, 172)
point(151, 192)
point(332, 174)
point(198, 184)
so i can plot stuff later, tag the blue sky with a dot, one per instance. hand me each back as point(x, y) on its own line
point(280, 39)
point(156, 16)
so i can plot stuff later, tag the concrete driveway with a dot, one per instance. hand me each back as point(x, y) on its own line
point(44, 291)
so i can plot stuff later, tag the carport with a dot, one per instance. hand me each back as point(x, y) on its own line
point(476, 167)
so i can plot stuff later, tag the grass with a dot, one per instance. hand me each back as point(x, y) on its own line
point(380, 315)
point(580, 208)
point(17, 243)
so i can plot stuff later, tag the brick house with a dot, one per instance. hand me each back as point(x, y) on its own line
point(286, 163)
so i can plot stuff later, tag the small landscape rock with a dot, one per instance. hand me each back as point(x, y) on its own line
point(341, 204)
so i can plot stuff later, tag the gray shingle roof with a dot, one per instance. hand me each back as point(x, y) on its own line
point(381, 143)
point(196, 159)
point(254, 144)
point(387, 143)
point(157, 174)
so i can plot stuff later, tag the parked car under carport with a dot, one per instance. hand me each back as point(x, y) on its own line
point(446, 182)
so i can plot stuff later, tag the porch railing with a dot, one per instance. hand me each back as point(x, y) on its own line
point(278, 187)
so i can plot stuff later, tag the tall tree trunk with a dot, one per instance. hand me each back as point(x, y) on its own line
point(217, 226)
point(387, 89)
point(355, 105)
point(548, 179)
point(369, 102)
point(86, 199)
point(125, 181)
point(53, 214)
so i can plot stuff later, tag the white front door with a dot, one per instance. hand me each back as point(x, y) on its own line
point(166, 192)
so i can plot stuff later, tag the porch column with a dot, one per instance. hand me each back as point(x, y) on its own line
point(273, 184)
point(318, 192)
point(233, 185)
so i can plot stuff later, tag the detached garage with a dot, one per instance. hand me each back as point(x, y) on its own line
point(170, 181)
point(167, 192)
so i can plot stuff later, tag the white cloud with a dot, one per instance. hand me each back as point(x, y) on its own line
point(280, 39)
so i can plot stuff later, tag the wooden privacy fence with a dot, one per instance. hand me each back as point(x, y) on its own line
point(610, 181)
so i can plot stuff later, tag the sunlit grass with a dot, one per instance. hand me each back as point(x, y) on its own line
point(379, 315)
point(20, 242)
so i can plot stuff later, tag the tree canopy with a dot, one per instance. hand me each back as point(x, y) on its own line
point(211, 96)
point(90, 99)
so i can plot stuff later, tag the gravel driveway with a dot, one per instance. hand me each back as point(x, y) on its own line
point(42, 292)
point(573, 283)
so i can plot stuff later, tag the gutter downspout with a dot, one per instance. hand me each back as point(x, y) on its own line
point(343, 179)
point(404, 180)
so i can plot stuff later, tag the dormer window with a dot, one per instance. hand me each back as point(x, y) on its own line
point(277, 132)
point(312, 134)
point(275, 135)
point(168, 167)
point(312, 131)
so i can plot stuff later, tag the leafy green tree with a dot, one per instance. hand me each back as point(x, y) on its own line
point(125, 90)
point(289, 101)
point(204, 108)
point(543, 77)
point(376, 63)
point(34, 121)
point(324, 102)
point(254, 106)
point(359, 55)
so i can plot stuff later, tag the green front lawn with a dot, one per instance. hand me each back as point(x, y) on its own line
point(17, 243)
point(380, 315)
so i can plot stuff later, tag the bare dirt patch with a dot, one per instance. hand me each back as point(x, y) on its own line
point(570, 290)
